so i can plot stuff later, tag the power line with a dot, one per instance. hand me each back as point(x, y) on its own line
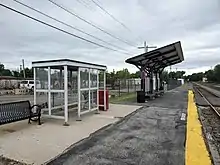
point(103, 9)
point(112, 16)
point(90, 23)
point(54, 27)
point(84, 4)
point(66, 24)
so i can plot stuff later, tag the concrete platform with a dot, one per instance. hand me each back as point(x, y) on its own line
point(34, 144)
point(152, 135)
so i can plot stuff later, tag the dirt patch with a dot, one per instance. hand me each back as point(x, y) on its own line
point(9, 130)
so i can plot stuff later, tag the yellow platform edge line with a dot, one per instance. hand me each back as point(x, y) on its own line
point(196, 152)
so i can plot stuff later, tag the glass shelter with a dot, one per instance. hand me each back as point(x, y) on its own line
point(70, 88)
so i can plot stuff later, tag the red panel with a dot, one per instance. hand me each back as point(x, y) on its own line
point(101, 99)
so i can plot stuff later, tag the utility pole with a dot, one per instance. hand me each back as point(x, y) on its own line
point(20, 68)
point(23, 68)
point(145, 47)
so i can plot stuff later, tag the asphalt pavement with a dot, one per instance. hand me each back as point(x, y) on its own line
point(153, 135)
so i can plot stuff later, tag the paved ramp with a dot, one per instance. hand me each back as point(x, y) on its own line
point(152, 135)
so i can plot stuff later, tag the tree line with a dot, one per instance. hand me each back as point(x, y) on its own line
point(212, 75)
point(15, 73)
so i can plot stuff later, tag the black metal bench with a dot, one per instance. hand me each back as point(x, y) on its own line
point(17, 111)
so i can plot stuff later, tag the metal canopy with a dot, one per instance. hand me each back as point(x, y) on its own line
point(158, 59)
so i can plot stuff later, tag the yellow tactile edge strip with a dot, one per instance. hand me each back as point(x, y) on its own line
point(196, 152)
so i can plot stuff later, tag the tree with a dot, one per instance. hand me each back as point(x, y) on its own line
point(196, 76)
point(123, 74)
point(210, 75)
point(217, 73)
point(180, 74)
point(3, 71)
point(16, 73)
point(176, 75)
point(6, 72)
point(137, 74)
point(29, 73)
point(172, 75)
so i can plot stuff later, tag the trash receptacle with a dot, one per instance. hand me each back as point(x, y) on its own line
point(140, 96)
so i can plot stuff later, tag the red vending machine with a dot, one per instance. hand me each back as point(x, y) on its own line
point(101, 100)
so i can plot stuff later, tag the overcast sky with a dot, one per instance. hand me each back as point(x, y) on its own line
point(196, 23)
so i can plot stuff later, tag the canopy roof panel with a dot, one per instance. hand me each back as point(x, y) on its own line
point(159, 58)
point(71, 63)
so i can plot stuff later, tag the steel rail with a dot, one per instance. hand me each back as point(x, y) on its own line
point(209, 103)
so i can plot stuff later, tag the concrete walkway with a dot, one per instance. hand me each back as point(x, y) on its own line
point(153, 135)
point(37, 144)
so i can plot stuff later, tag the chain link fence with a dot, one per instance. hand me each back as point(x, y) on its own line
point(122, 86)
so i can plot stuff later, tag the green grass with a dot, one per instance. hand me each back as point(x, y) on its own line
point(125, 97)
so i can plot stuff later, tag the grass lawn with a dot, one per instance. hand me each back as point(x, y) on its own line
point(125, 97)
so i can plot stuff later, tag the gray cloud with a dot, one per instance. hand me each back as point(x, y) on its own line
point(196, 24)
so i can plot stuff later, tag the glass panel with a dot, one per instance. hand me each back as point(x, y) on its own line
point(93, 78)
point(72, 87)
point(101, 79)
point(57, 104)
point(42, 78)
point(93, 98)
point(84, 100)
point(84, 78)
point(42, 97)
point(57, 79)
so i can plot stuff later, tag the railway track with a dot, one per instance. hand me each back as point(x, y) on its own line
point(210, 120)
point(205, 94)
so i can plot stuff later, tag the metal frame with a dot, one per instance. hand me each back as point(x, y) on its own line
point(65, 64)
point(152, 62)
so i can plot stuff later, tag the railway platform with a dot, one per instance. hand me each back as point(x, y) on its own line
point(165, 131)
point(154, 134)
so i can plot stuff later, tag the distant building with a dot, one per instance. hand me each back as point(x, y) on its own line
point(181, 80)
point(204, 79)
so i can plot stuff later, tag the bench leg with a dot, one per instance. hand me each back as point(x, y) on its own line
point(39, 123)
point(29, 120)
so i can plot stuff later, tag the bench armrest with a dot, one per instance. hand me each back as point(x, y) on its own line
point(38, 110)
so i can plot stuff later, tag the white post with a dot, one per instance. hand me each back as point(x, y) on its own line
point(89, 90)
point(79, 96)
point(60, 80)
point(104, 90)
point(65, 95)
point(97, 91)
point(35, 87)
point(145, 47)
point(158, 81)
point(49, 91)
